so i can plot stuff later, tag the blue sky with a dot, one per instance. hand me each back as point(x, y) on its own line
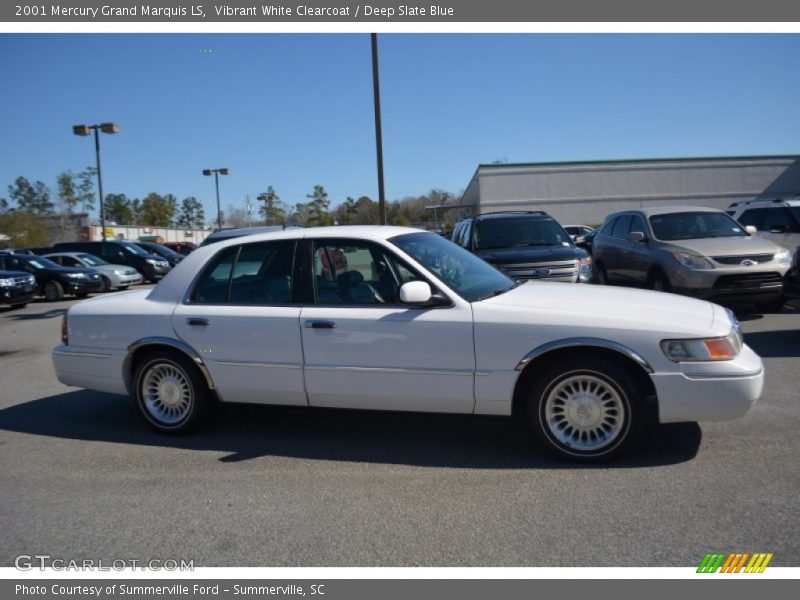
point(296, 110)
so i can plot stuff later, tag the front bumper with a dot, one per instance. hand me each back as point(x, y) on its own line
point(83, 286)
point(732, 285)
point(710, 391)
point(153, 272)
point(17, 295)
point(134, 279)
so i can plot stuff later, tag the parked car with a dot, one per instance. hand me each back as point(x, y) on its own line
point(52, 280)
point(172, 257)
point(696, 251)
point(577, 232)
point(119, 252)
point(412, 323)
point(17, 287)
point(184, 248)
point(791, 282)
point(524, 245)
point(777, 219)
point(587, 241)
point(233, 232)
point(113, 276)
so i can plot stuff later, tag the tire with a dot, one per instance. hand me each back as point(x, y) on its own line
point(106, 284)
point(177, 406)
point(16, 306)
point(586, 409)
point(658, 282)
point(122, 288)
point(773, 306)
point(82, 295)
point(53, 291)
point(601, 277)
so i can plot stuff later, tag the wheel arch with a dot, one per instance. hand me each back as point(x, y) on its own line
point(141, 347)
point(558, 350)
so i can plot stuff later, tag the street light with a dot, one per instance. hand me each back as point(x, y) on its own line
point(217, 173)
point(84, 130)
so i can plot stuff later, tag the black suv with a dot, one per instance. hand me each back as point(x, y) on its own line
point(168, 254)
point(117, 252)
point(524, 245)
point(17, 287)
point(53, 280)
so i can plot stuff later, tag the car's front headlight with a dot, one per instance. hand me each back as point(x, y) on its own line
point(76, 275)
point(585, 269)
point(6, 282)
point(31, 279)
point(692, 261)
point(720, 348)
point(783, 257)
point(119, 272)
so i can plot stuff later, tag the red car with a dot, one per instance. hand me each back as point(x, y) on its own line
point(181, 247)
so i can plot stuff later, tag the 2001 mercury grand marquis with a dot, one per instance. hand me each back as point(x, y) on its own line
point(391, 318)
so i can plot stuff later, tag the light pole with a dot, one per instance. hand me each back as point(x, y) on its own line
point(85, 130)
point(217, 173)
point(376, 96)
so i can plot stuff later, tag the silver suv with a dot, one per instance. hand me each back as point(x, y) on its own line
point(775, 219)
point(696, 251)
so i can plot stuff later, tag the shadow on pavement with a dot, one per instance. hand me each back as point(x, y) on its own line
point(775, 344)
point(246, 432)
point(49, 314)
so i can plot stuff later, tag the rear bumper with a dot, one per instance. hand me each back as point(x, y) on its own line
point(710, 391)
point(90, 368)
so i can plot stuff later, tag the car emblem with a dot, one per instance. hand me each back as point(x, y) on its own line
point(748, 262)
point(541, 272)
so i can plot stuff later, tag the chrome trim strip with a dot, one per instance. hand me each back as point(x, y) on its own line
point(585, 342)
point(178, 345)
point(458, 372)
point(245, 363)
point(743, 375)
point(81, 353)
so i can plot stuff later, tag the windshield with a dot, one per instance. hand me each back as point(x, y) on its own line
point(92, 260)
point(462, 271)
point(160, 250)
point(795, 210)
point(515, 232)
point(694, 225)
point(41, 262)
point(134, 249)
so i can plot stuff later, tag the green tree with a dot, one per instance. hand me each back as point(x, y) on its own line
point(118, 209)
point(24, 229)
point(272, 209)
point(301, 214)
point(367, 211)
point(3, 205)
point(86, 196)
point(34, 198)
point(191, 213)
point(136, 210)
point(157, 210)
point(67, 191)
point(318, 206)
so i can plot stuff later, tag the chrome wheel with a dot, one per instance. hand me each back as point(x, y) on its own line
point(584, 412)
point(166, 393)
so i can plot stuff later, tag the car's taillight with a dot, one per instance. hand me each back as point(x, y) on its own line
point(64, 330)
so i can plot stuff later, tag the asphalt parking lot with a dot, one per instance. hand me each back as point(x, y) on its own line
point(82, 476)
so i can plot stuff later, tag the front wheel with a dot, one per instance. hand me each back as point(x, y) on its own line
point(587, 410)
point(106, 284)
point(601, 277)
point(170, 392)
point(53, 291)
point(658, 282)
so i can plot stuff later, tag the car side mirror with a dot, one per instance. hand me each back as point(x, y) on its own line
point(636, 237)
point(415, 292)
point(750, 229)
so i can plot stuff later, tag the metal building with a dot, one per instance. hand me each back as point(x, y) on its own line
point(585, 192)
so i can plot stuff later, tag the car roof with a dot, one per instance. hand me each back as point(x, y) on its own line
point(537, 214)
point(665, 210)
point(73, 254)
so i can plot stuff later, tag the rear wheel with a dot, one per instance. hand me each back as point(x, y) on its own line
point(170, 392)
point(122, 287)
point(106, 284)
point(53, 292)
point(586, 410)
point(600, 274)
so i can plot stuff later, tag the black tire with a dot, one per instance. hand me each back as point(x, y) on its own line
point(82, 295)
point(16, 306)
point(773, 306)
point(658, 282)
point(122, 288)
point(600, 277)
point(606, 425)
point(53, 291)
point(106, 284)
point(186, 385)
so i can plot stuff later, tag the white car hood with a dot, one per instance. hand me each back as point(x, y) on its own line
point(609, 307)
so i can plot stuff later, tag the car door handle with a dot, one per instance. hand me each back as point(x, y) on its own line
point(320, 324)
point(195, 321)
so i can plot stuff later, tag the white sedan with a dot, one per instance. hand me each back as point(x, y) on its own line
point(392, 318)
